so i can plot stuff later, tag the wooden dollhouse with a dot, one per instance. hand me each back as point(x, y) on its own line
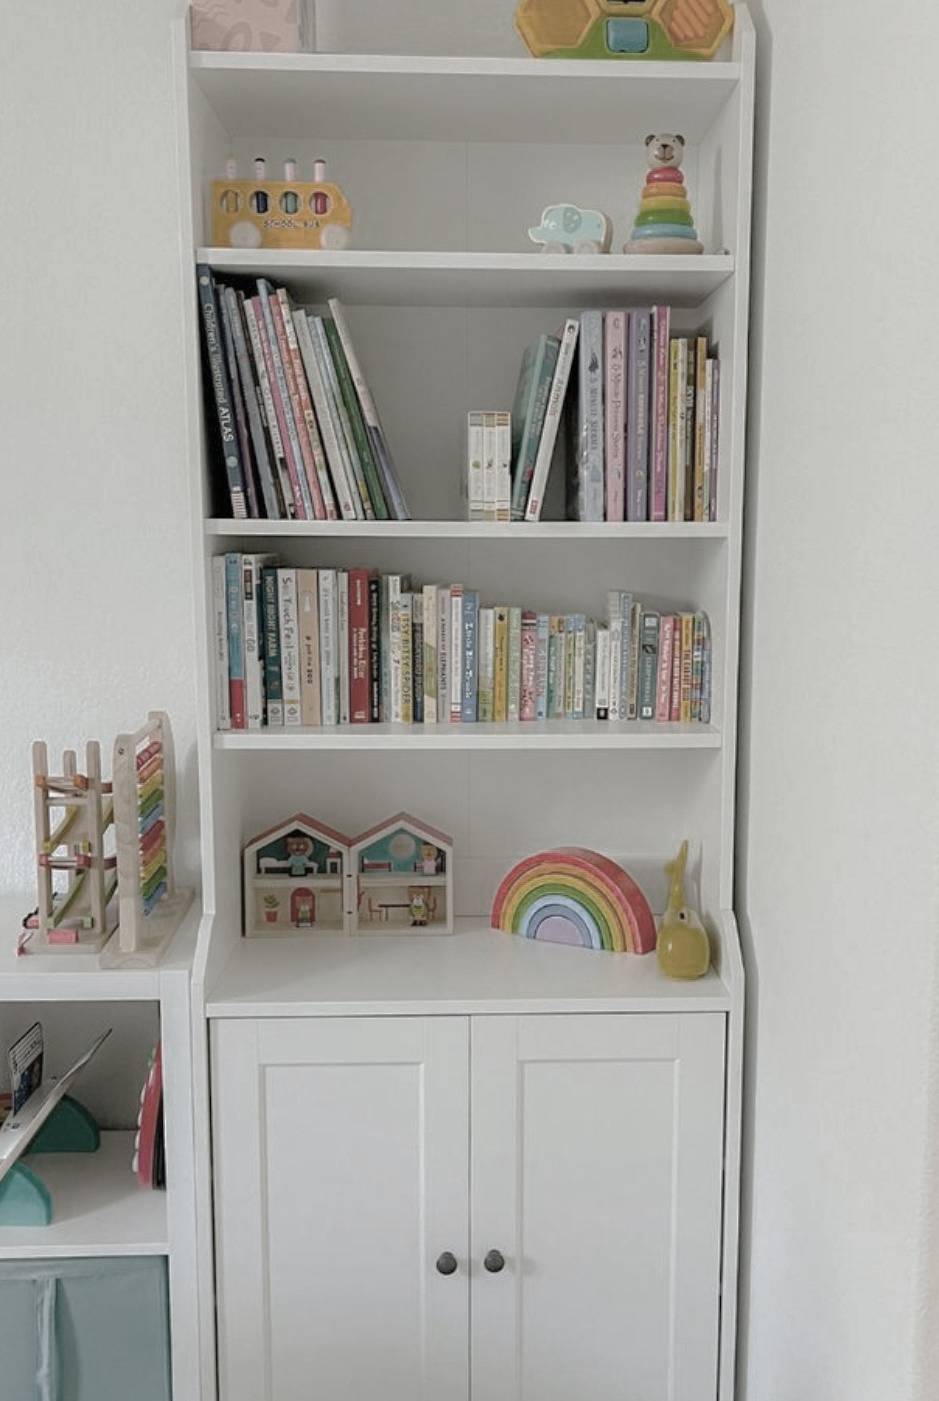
point(404, 877)
point(294, 879)
point(302, 876)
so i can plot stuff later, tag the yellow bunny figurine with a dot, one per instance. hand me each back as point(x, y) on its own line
point(682, 943)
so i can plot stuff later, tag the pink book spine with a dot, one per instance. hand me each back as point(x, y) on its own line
point(660, 333)
point(663, 688)
point(526, 709)
point(674, 702)
point(299, 418)
point(614, 334)
point(268, 353)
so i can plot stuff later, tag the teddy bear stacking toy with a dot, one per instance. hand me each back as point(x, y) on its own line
point(663, 224)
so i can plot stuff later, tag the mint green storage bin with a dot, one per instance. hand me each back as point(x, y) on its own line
point(85, 1330)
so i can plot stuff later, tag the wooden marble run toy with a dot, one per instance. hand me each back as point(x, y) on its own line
point(664, 224)
point(574, 895)
point(111, 845)
point(286, 213)
point(629, 29)
point(303, 876)
point(74, 814)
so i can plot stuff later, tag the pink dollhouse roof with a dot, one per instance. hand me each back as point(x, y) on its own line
point(404, 819)
point(300, 819)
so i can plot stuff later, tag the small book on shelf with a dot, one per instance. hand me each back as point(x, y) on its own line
point(535, 377)
point(552, 419)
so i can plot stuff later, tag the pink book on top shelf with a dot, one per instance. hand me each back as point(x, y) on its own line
point(658, 500)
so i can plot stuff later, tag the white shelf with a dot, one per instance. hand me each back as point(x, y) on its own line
point(79, 977)
point(388, 98)
point(562, 735)
point(475, 970)
point(535, 531)
point(98, 1207)
point(377, 278)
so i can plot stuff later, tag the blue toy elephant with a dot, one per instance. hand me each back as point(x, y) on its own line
point(566, 228)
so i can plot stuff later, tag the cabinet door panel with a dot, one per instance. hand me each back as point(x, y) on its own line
point(342, 1174)
point(596, 1172)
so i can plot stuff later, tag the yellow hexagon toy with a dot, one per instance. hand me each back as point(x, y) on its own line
point(636, 29)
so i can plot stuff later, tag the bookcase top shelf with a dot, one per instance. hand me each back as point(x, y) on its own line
point(380, 97)
point(563, 735)
point(379, 278)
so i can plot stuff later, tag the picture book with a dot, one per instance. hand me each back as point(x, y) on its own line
point(221, 392)
point(637, 415)
point(589, 434)
point(614, 360)
point(386, 467)
point(552, 419)
point(531, 399)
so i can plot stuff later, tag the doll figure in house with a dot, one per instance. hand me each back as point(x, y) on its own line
point(299, 855)
point(664, 224)
point(417, 908)
point(430, 859)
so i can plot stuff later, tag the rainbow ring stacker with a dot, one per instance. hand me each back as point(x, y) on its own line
point(664, 223)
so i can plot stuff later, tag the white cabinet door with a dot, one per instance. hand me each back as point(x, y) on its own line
point(341, 1175)
point(596, 1173)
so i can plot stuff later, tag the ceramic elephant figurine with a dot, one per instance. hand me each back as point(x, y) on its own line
point(566, 228)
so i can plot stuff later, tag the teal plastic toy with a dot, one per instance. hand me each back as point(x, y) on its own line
point(25, 1199)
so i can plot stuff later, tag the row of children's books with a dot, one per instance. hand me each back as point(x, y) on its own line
point(326, 646)
point(297, 427)
point(639, 409)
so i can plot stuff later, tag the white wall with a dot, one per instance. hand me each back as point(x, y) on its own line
point(94, 519)
point(839, 772)
point(838, 858)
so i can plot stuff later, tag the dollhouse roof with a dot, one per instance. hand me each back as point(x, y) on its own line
point(404, 819)
point(309, 825)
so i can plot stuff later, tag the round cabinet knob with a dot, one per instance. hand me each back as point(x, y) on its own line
point(494, 1262)
point(446, 1263)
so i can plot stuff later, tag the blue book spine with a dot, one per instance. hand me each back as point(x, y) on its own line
point(542, 630)
point(236, 651)
point(648, 662)
point(470, 656)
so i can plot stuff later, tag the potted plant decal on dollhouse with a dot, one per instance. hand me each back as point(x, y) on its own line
point(404, 877)
point(294, 879)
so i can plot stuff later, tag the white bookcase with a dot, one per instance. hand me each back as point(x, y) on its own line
point(428, 1066)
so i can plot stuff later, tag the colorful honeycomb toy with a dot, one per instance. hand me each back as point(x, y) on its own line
point(651, 29)
point(664, 224)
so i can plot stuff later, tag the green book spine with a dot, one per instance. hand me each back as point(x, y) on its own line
point(351, 400)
